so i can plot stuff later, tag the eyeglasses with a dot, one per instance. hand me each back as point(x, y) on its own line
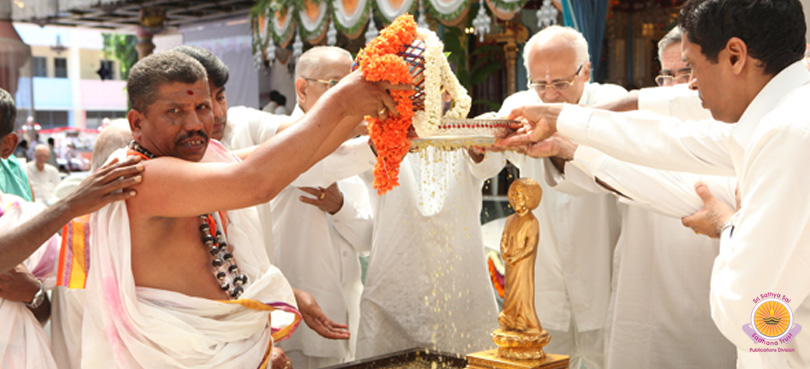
point(541, 87)
point(666, 79)
point(328, 82)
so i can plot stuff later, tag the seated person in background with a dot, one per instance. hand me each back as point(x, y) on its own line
point(43, 176)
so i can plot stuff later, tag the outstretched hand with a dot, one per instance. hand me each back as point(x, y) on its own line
point(555, 146)
point(358, 97)
point(113, 182)
point(709, 220)
point(538, 123)
point(329, 200)
point(317, 320)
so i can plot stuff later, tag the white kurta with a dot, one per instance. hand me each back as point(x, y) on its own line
point(249, 127)
point(23, 343)
point(577, 236)
point(768, 152)
point(137, 327)
point(43, 182)
point(427, 283)
point(304, 249)
point(351, 232)
point(673, 101)
point(660, 267)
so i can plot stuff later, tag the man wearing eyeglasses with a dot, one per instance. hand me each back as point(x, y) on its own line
point(654, 249)
point(579, 228)
point(306, 250)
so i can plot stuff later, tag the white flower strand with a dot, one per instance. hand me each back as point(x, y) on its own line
point(437, 74)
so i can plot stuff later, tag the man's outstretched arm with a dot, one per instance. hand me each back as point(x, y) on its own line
point(97, 190)
point(178, 188)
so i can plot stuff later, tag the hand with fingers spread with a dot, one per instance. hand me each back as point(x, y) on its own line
point(538, 123)
point(317, 320)
point(113, 182)
point(708, 221)
point(328, 199)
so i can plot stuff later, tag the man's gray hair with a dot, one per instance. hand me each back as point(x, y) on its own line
point(672, 37)
point(308, 63)
point(157, 69)
point(568, 34)
point(115, 136)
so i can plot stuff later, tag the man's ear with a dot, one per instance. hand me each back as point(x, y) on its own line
point(736, 53)
point(586, 71)
point(301, 90)
point(9, 145)
point(136, 120)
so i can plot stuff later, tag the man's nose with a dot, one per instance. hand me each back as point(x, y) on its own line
point(217, 110)
point(192, 122)
point(550, 94)
point(693, 82)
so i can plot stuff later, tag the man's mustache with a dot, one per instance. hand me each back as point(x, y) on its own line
point(191, 134)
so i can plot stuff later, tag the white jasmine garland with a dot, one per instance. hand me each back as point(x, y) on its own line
point(437, 73)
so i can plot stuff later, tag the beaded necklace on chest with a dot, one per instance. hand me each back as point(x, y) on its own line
point(223, 264)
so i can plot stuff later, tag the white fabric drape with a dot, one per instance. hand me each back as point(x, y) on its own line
point(135, 327)
point(391, 11)
point(446, 7)
point(23, 342)
point(313, 25)
point(349, 20)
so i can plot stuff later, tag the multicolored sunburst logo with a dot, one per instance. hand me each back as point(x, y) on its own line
point(772, 322)
point(772, 318)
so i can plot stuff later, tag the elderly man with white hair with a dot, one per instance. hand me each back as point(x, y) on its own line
point(659, 265)
point(304, 246)
point(578, 229)
point(43, 177)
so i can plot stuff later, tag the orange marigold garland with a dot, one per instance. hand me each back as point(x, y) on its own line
point(379, 62)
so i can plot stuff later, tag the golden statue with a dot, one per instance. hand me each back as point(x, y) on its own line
point(520, 336)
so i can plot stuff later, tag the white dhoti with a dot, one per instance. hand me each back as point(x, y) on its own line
point(23, 343)
point(134, 327)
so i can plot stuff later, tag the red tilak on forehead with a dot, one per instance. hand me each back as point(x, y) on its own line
point(190, 93)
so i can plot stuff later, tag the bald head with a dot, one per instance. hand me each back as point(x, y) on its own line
point(115, 136)
point(558, 54)
point(41, 154)
point(318, 69)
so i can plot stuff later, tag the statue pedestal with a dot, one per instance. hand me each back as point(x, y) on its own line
point(490, 360)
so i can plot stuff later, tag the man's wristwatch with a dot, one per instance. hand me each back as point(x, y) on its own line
point(39, 297)
point(725, 226)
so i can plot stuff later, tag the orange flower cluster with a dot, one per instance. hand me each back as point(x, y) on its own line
point(379, 62)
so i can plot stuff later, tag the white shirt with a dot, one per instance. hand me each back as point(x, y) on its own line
point(577, 235)
point(769, 153)
point(248, 127)
point(427, 283)
point(304, 247)
point(351, 231)
point(43, 182)
point(673, 101)
point(659, 265)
